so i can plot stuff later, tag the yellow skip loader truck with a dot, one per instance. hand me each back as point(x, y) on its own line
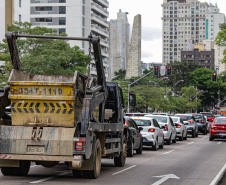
point(76, 119)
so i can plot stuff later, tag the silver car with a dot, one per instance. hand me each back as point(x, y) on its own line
point(180, 127)
point(152, 133)
point(170, 133)
point(190, 122)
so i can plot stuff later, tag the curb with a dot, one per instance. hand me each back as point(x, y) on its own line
point(219, 176)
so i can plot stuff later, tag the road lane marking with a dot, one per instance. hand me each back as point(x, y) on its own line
point(190, 143)
point(219, 176)
point(203, 138)
point(165, 178)
point(219, 143)
point(168, 152)
point(124, 170)
point(49, 178)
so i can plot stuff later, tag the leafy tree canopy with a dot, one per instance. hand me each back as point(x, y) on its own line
point(221, 39)
point(43, 56)
point(119, 75)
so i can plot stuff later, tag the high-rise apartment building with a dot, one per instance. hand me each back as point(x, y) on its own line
point(119, 43)
point(77, 18)
point(11, 11)
point(213, 19)
point(184, 22)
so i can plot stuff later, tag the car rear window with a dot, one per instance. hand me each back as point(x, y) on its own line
point(220, 120)
point(175, 119)
point(197, 116)
point(142, 122)
point(160, 119)
point(185, 118)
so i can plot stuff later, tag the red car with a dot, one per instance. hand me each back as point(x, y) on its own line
point(218, 129)
point(209, 115)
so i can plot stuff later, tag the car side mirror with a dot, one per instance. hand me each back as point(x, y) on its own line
point(140, 128)
point(163, 127)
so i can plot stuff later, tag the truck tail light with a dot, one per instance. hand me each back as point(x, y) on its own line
point(166, 127)
point(151, 130)
point(79, 146)
point(202, 121)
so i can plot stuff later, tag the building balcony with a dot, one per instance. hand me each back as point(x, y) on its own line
point(99, 20)
point(104, 3)
point(104, 43)
point(99, 9)
point(100, 30)
point(105, 53)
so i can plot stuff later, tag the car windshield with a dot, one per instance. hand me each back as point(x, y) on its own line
point(220, 120)
point(142, 122)
point(197, 116)
point(175, 119)
point(160, 119)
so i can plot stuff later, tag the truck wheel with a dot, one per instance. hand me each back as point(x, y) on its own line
point(21, 171)
point(94, 174)
point(121, 160)
point(77, 173)
point(139, 150)
point(130, 151)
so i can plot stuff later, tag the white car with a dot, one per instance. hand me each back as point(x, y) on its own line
point(180, 127)
point(152, 133)
point(170, 133)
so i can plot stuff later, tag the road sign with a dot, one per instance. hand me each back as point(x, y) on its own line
point(162, 70)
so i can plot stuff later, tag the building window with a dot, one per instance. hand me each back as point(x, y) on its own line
point(62, 30)
point(19, 3)
point(62, 10)
point(83, 10)
point(48, 19)
point(46, 8)
point(62, 1)
point(83, 1)
point(62, 21)
point(19, 18)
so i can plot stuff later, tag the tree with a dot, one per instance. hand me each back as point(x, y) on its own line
point(221, 39)
point(43, 56)
point(119, 75)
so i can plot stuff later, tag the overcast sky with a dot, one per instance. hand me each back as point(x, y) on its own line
point(151, 13)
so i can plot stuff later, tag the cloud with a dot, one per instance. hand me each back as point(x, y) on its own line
point(146, 54)
point(149, 33)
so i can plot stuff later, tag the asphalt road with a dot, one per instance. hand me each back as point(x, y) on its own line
point(196, 161)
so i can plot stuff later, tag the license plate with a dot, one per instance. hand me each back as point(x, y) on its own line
point(36, 149)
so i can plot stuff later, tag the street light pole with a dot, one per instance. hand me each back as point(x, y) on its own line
point(132, 84)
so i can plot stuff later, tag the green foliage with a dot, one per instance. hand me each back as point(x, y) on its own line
point(119, 75)
point(221, 39)
point(43, 56)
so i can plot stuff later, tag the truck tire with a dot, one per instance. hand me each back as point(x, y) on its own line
point(94, 174)
point(21, 171)
point(121, 160)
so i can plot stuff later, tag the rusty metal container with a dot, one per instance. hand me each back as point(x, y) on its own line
point(46, 100)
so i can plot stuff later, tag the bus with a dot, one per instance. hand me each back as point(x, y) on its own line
point(223, 107)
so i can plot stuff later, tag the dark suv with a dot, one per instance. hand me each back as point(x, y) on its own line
point(134, 137)
point(202, 124)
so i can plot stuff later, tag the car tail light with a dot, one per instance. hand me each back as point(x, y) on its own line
point(191, 121)
point(151, 130)
point(126, 123)
point(178, 125)
point(166, 127)
point(213, 127)
point(130, 114)
point(79, 146)
point(202, 121)
point(141, 114)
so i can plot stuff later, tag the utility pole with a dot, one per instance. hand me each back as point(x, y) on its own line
point(132, 84)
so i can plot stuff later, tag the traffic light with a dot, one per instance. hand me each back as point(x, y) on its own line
point(132, 99)
point(169, 70)
point(156, 71)
point(214, 77)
